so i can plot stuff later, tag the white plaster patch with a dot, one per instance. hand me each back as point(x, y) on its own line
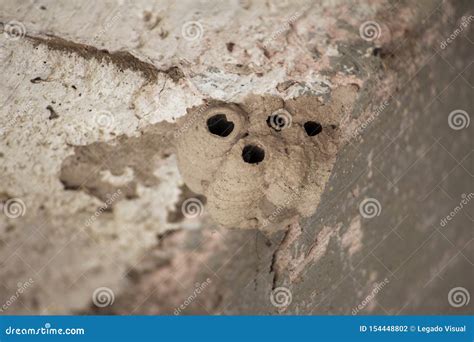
point(351, 240)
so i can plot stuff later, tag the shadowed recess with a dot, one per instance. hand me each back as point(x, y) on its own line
point(312, 128)
point(218, 125)
point(253, 154)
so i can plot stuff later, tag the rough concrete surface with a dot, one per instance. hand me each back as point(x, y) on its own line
point(138, 138)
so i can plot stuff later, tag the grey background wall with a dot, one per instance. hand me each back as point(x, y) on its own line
point(376, 244)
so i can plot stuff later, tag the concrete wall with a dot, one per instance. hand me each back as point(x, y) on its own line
point(64, 155)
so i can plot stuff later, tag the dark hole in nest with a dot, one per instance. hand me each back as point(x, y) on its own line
point(253, 154)
point(312, 128)
point(218, 125)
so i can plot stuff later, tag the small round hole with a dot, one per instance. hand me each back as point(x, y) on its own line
point(218, 125)
point(312, 128)
point(253, 154)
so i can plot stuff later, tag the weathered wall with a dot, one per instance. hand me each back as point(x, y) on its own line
point(85, 126)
